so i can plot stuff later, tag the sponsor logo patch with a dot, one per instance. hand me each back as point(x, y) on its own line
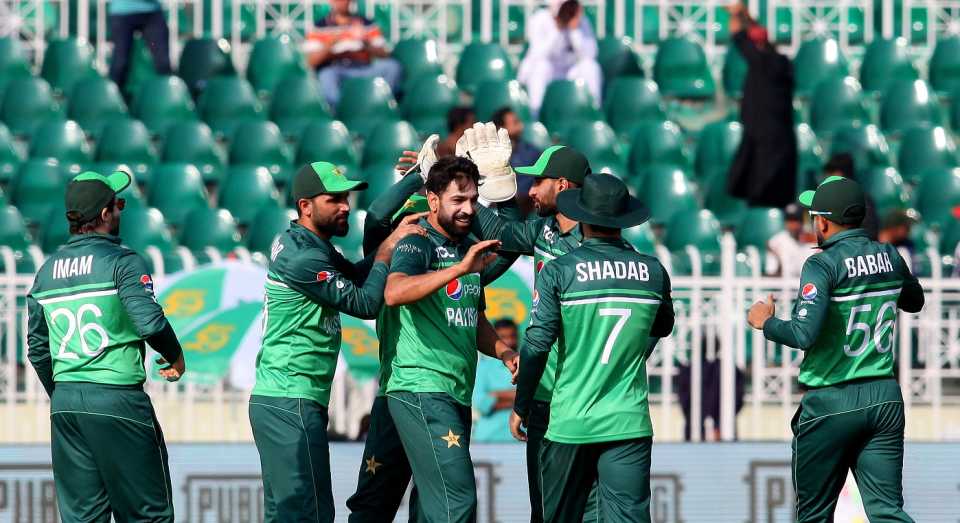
point(324, 276)
point(540, 265)
point(808, 292)
point(147, 283)
point(455, 289)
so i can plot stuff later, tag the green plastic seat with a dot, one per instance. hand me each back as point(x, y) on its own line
point(365, 102)
point(206, 227)
point(26, 102)
point(226, 102)
point(269, 223)
point(272, 60)
point(886, 60)
point(597, 141)
point(924, 148)
point(65, 62)
point(418, 57)
point(94, 102)
point(352, 244)
point(955, 109)
point(9, 158)
point(13, 229)
point(387, 141)
point(837, 101)
point(618, 58)
point(163, 101)
point(55, 230)
point(246, 189)
point(908, 103)
point(480, 62)
point(681, 70)
point(202, 59)
point(885, 187)
point(296, 102)
point(716, 147)
point(816, 61)
point(665, 189)
point(692, 227)
point(192, 142)
point(567, 103)
point(734, 72)
point(38, 188)
point(641, 238)
point(327, 141)
point(379, 177)
point(630, 101)
point(809, 158)
point(492, 95)
point(726, 208)
point(60, 139)
point(535, 134)
point(938, 193)
point(260, 143)
point(757, 226)
point(13, 61)
point(949, 238)
point(144, 227)
point(944, 67)
point(657, 142)
point(177, 189)
point(142, 69)
point(127, 141)
point(865, 143)
point(429, 99)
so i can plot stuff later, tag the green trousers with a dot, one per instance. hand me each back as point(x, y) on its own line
point(619, 469)
point(854, 426)
point(291, 437)
point(384, 473)
point(435, 431)
point(109, 457)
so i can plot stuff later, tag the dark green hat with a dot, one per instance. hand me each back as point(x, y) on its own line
point(414, 204)
point(322, 178)
point(837, 199)
point(603, 200)
point(88, 193)
point(559, 161)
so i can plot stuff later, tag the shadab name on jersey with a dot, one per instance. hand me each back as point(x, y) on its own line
point(612, 270)
point(868, 264)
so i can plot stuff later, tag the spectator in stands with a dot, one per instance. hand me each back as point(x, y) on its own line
point(132, 16)
point(347, 45)
point(493, 394)
point(764, 170)
point(789, 248)
point(709, 394)
point(895, 228)
point(459, 119)
point(523, 154)
point(562, 45)
point(842, 164)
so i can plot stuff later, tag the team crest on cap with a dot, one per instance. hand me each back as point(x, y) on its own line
point(147, 283)
point(455, 289)
point(808, 292)
point(324, 275)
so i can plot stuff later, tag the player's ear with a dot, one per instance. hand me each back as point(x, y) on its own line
point(433, 201)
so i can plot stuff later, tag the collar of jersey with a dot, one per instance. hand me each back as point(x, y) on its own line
point(575, 230)
point(306, 233)
point(616, 242)
point(76, 238)
point(840, 236)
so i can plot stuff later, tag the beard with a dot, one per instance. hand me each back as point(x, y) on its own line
point(337, 226)
point(456, 225)
point(819, 239)
point(544, 210)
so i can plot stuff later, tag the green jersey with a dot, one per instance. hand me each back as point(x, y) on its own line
point(308, 285)
point(545, 241)
point(436, 339)
point(91, 307)
point(605, 305)
point(846, 311)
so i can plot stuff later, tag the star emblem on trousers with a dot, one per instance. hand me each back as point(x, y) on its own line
point(451, 438)
point(372, 465)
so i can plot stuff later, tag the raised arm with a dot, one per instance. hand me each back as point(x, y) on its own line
point(377, 224)
point(411, 280)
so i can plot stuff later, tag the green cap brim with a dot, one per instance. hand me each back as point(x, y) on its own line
point(806, 198)
point(414, 205)
point(344, 185)
point(538, 168)
point(117, 181)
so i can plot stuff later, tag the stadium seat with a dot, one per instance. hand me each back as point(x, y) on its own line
point(207, 227)
point(886, 60)
point(380, 177)
point(938, 193)
point(260, 143)
point(418, 57)
point(906, 104)
point(327, 141)
point(837, 101)
point(734, 72)
point(566, 104)
point(426, 104)
point(949, 238)
point(631, 101)
point(296, 102)
point(726, 208)
point(142, 69)
point(38, 187)
point(127, 141)
point(681, 70)
point(55, 230)
point(697, 228)
point(657, 142)
point(202, 59)
point(60, 139)
point(145, 227)
point(192, 142)
point(816, 61)
point(94, 102)
point(481, 62)
point(65, 62)
point(226, 102)
point(26, 102)
point(13, 229)
point(387, 141)
point(13, 61)
point(597, 141)
point(944, 68)
point(716, 147)
point(923, 148)
point(272, 60)
point(865, 143)
point(492, 95)
point(641, 238)
point(9, 158)
point(665, 189)
point(162, 102)
point(247, 189)
point(268, 224)
point(885, 187)
point(809, 158)
point(617, 58)
point(365, 102)
point(757, 225)
point(177, 189)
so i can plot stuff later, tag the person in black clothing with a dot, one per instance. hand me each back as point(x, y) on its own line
point(764, 170)
point(842, 164)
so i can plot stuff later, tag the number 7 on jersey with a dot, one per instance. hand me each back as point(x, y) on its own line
point(623, 315)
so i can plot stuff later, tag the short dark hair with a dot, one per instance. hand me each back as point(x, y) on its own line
point(504, 323)
point(458, 116)
point(78, 227)
point(840, 163)
point(500, 116)
point(448, 169)
point(568, 10)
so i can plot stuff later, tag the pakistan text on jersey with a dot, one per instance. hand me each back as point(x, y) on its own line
point(607, 270)
point(70, 267)
point(868, 264)
point(461, 317)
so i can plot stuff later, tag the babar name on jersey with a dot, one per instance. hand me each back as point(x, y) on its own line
point(868, 264)
point(612, 270)
point(70, 267)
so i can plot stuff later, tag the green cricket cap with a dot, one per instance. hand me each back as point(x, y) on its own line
point(414, 204)
point(88, 193)
point(837, 199)
point(322, 178)
point(559, 161)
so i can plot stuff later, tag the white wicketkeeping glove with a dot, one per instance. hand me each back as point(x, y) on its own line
point(490, 149)
point(427, 156)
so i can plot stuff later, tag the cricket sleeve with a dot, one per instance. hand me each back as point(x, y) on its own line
point(803, 328)
point(377, 224)
point(664, 319)
point(411, 256)
point(136, 292)
point(316, 274)
point(542, 332)
point(38, 343)
point(911, 293)
point(516, 235)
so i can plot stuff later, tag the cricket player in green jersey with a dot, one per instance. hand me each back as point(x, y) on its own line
point(308, 285)
point(436, 287)
point(601, 307)
point(851, 415)
point(91, 309)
